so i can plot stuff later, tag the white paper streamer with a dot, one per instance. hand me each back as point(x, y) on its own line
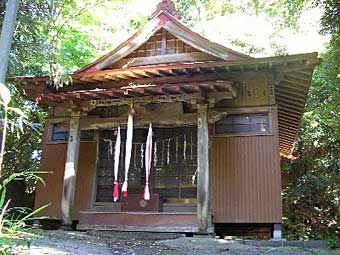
point(128, 146)
point(116, 166)
point(148, 156)
point(155, 154)
point(168, 153)
point(185, 148)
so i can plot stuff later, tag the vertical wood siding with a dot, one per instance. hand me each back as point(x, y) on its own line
point(246, 178)
point(53, 160)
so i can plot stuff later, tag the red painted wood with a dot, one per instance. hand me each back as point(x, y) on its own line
point(138, 219)
point(136, 203)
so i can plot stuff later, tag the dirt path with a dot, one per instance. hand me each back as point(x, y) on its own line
point(120, 243)
point(58, 242)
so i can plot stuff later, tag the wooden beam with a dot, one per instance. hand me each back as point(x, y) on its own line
point(290, 126)
point(69, 188)
point(292, 90)
point(172, 72)
point(291, 129)
point(283, 116)
point(292, 112)
point(164, 59)
point(290, 107)
point(286, 100)
point(136, 75)
point(153, 80)
point(287, 141)
point(87, 79)
point(163, 114)
point(285, 120)
point(172, 89)
point(292, 97)
point(299, 76)
point(296, 82)
point(157, 118)
point(163, 44)
point(287, 132)
point(111, 77)
point(143, 100)
point(289, 113)
point(202, 168)
point(215, 97)
point(287, 145)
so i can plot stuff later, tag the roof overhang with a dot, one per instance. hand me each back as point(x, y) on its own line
point(292, 75)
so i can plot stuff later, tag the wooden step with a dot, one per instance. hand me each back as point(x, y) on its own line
point(139, 221)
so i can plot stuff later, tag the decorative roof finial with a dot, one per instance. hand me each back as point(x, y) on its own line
point(167, 6)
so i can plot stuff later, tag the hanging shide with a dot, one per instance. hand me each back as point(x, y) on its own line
point(129, 136)
point(116, 167)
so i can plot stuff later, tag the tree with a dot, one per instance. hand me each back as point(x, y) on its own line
point(6, 36)
point(5, 44)
point(311, 199)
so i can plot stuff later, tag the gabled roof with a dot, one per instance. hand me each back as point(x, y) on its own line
point(107, 79)
point(163, 20)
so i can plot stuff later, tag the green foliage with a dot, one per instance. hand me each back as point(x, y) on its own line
point(283, 13)
point(311, 206)
point(334, 242)
point(311, 200)
point(331, 18)
point(11, 227)
point(24, 135)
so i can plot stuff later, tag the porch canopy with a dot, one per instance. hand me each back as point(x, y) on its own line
point(187, 81)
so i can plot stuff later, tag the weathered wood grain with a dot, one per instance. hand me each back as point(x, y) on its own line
point(70, 173)
point(202, 168)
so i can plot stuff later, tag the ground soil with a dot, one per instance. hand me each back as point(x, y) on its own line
point(60, 242)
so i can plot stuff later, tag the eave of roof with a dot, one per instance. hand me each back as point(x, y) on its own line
point(172, 25)
point(290, 90)
point(305, 60)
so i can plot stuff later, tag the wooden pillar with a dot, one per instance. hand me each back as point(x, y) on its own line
point(70, 171)
point(202, 168)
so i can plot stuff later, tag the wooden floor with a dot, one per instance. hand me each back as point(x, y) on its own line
point(139, 221)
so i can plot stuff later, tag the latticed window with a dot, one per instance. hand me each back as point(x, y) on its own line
point(59, 134)
point(243, 123)
point(173, 167)
point(162, 43)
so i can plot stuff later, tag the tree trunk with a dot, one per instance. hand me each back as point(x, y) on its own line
point(6, 36)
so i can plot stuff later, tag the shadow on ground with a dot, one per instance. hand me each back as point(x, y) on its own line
point(136, 243)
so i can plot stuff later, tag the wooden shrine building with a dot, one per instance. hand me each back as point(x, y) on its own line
point(221, 120)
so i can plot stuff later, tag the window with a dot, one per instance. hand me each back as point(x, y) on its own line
point(173, 168)
point(243, 123)
point(60, 134)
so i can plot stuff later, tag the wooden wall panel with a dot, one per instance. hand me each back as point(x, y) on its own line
point(246, 179)
point(53, 160)
point(86, 171)
point(253, 89)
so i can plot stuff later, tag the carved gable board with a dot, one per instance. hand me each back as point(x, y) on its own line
point(165, 39)
point(163, 48)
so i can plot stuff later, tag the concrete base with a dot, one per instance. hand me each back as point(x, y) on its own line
point(277, 232)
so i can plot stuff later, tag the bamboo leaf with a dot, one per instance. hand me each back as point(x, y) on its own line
point(2, 197)
point(5, 95)
point(28, 216)
point(18, 111)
